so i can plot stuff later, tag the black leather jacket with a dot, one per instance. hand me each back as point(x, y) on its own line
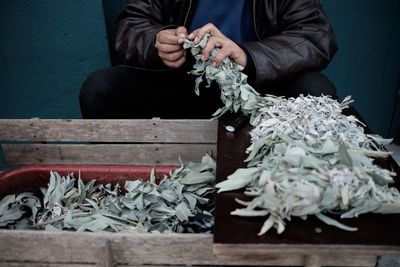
point(294, 35)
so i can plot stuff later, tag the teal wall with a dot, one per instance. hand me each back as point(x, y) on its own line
point(367, 65)
point(47, 48)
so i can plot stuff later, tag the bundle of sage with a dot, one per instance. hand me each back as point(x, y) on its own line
point(236, 93)
point(144, 206)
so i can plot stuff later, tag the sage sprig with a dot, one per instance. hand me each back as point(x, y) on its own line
point(18, 212)
point(140, 206)
point(236, 93)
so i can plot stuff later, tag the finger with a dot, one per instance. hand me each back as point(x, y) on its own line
point(222, 54)
point(175, 64)
point(201, 32)
point(181, 32)
point(167, 38)
point(168, 48)
point(172, 56)
point(211, 44)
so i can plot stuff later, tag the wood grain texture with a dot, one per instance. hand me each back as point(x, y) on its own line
point(121, 131)
point(106, 154)
point(103, 252)
point(37, 264)
point(305, 249)
point(147, 249)
point(312, 261)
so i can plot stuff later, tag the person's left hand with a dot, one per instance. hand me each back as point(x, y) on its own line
point(227, 48)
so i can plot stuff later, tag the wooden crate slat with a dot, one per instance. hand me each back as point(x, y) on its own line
point(53, 264)
point(105, 154)
point(123, 131)
point(146, 249)
point(342, 249)
point(35, 264)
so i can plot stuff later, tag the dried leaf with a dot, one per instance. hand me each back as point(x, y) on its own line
point(239, 179)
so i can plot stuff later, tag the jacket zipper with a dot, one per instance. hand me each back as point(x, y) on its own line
point(254, 19)
point(187, 13)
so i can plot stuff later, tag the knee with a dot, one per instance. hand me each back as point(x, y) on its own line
point(94, 87)
point(93, 94)
point(311, 83)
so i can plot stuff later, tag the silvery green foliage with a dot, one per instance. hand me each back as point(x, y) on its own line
point(18, 212)
point(307, 158)
point(141, 206)
point(236, 93)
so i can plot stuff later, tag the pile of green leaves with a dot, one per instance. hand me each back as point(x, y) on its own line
point(141, 206)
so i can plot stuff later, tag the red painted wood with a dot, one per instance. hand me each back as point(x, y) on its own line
point(30, 178)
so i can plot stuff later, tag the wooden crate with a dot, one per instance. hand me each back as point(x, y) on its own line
point(138, 142)
point(99, 142)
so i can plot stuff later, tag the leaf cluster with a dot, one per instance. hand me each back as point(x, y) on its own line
point(307, 158)
point(17, 212)
point(140, 206)
point(236, 93)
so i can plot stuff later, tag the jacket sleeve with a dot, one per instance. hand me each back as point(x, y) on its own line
point(136, 28)
point(305, 41)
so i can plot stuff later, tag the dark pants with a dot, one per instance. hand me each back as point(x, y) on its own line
point(130, 93)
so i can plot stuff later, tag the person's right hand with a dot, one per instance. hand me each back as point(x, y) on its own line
point(169, 45)
point(227, 48)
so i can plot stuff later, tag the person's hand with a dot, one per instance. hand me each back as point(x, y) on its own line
point(227, 48)
point(169, 45)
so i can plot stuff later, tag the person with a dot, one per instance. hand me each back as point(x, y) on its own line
point(282, 45)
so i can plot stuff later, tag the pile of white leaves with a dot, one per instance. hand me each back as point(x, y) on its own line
point(143, 206)
point(306, 157)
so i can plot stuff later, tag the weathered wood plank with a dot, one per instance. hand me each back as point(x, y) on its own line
point(304, 249)
point(122, 131)
point(104, 253)
point(35, 264)
point(110, 154)
point(162, 249)
point(132, 249)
